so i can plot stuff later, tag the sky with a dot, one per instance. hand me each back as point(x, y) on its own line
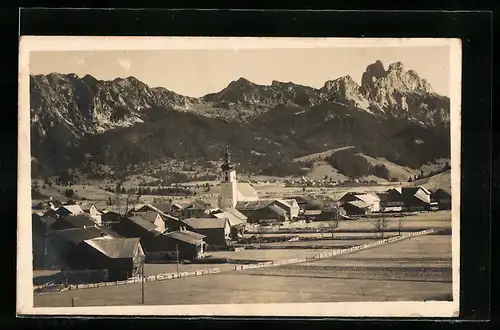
point(197, 72)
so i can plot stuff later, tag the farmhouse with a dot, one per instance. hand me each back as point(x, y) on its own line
point(187, 244)
point(237, 221)
point(73, 221)
point(301, 202)
point(65, 210)
point(442, 198)
point(199, 208)
point(91, 249)
point(372, 200)
point(93, 212)
point(62, 243)
point(112, 214)
point(151, 217)
point(407, 199)
point(356, 208)
point(217, 232)
point(263, 209)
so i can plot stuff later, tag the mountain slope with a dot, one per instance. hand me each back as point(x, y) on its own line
point(394, 114)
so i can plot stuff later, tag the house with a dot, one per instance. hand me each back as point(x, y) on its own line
point(290, 206)
point(371, 199)
point(80, 249)
point(356, 208)
point(73, 221)
point(65, 210)
point(134, 226)
point(55, 247)
point(151, 217)
point(93, 212)
point(217, 231)
point(237, 221)
point(409, 198)
point(263, 209)
point(112, 214)
point(182, 244)
point(443, 199)
point(301, 201)
point(198, 208)
point(324, 215)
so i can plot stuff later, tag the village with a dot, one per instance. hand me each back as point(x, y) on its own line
point(80, 243)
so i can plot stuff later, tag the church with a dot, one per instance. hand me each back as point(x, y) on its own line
point(244, 198)
point(233, 191)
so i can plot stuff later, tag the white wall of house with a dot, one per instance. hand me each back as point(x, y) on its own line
point(424, 195)
point(159, 223)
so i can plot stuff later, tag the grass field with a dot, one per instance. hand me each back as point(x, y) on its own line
point(416, 269)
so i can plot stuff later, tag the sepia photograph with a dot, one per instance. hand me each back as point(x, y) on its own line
point(239, 176)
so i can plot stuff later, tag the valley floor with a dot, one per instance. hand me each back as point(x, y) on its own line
point(416, 269)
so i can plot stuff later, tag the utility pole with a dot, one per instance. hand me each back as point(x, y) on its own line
point(45, 248)
point(142, 282)
point(177, 254)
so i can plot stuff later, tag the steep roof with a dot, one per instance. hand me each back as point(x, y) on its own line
point(278, 210)
point(358, 204)
point(114, 209)
point(247, 190)
point(79, 220)
point(199, 204)
point(205, 223)
point(233, 221)
point(115, 248)
point(298, 199)
point(236, 213)
point(441, 193)
point(368, 198)
point(140, 221)
point(253, 205)
point(87, 207)
point(164, 207)
point(186, 236)
point(73, 209)
point(78, 235)
point(148, 216)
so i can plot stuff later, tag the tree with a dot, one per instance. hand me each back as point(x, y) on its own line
point(400, 225)
point(381, 225)
point(333, 224)
point(69, 193)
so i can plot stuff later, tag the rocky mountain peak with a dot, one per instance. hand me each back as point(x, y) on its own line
point(345, 90)
point(373, 72)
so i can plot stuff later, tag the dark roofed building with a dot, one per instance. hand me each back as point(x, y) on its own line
point(217, 231)
point(120, 258)
point(356, 207)
point(73, 221)
point(262, 210)
point(442, 198)
point(199, 208)
point(408, 198)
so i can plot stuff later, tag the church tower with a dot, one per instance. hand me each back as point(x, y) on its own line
point(229, 190)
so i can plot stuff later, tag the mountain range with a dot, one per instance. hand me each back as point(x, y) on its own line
point(394, 114)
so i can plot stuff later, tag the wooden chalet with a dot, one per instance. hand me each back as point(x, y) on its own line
point(217, 231)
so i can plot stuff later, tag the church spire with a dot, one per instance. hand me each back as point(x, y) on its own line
point(227, 166)
point(227, 156)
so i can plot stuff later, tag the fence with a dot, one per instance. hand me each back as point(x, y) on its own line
point(336, 252)
point(169, 276)
point(152, 278)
